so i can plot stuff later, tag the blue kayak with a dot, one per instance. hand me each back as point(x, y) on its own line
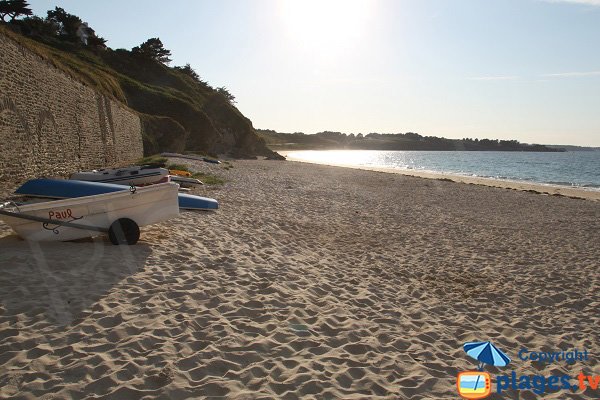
point(66, 189)
point(191, 202)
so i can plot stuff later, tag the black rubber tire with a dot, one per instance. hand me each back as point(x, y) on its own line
point(124, 231)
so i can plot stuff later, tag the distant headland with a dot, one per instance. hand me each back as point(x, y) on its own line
point(397, 141)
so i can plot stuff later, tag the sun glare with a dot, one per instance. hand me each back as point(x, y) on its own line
point(325, 24)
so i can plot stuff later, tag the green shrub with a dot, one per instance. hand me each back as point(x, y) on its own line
point(154, 160)
point(180, 167)
point(208, 179)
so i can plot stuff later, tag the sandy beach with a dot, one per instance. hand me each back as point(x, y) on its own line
point(311, 281)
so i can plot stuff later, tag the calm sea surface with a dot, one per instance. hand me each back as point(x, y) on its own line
point(577, 168)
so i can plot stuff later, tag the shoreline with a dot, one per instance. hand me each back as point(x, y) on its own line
point(533, 187)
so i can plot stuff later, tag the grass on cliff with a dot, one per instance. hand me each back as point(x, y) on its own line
point(178, 112)
point(99, 72)
point(76, 63)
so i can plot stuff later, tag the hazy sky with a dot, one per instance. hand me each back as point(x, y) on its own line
point(518, 69)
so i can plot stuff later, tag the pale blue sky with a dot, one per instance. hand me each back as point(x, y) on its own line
point(510, 69)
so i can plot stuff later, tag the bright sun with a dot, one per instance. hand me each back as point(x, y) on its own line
point(325, 24)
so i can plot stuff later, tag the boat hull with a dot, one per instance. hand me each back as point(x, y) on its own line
point(66, 189)
point(145, 206)
point(191, 202)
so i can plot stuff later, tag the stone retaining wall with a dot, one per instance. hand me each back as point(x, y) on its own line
point(52, 124)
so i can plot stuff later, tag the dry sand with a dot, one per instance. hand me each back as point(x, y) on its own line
point(309, 282)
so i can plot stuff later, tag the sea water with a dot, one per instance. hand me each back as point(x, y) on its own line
point(574, 168)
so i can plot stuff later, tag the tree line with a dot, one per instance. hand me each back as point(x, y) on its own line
point(393, 141)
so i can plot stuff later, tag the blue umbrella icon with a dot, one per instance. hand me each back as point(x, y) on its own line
point(486, 353)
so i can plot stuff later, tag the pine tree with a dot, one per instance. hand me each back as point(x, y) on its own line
point(153, 49)
point(13, 9)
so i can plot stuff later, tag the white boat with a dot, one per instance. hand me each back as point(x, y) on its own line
point(120, 214)
point(132, 176)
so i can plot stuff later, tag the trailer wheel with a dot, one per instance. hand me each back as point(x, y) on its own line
point(124, 231)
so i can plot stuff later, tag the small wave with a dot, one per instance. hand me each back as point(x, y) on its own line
point(561, 183)
point(573, 184)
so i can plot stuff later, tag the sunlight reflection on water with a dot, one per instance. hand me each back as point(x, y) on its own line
point(581, 169)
